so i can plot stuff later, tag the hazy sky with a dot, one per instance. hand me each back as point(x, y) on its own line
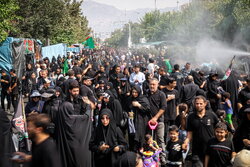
point(135, 4)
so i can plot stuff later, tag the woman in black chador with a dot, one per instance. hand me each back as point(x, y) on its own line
point(107, 142)
point(139, 108)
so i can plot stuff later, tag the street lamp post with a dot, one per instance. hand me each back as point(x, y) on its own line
point(129, 36)
point(155, 5)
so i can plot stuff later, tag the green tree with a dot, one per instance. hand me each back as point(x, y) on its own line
point(74, 26)
point(52, 21)
point(7, 17)
point(119, 38)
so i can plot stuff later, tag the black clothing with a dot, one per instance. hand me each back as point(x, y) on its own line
point(7, 146)
point(202, 129)
point(34, 106)
point(110, 135)
point(5, 94)
point(128, 159)
point(14, 92)
point(188, 93)
point(51, 107)
point(242, 132)
point(212, 92)
point(178, 76)
point(198, 79)
point(145, 87)
point(86, 91)
point(73, 132)
point(220, 153)
point(14, 80)
point(5, 86)
point(231, 85)
point(157, 101)
point(241, 115)
point(102, 76)
point(141, 117)
point(170, 113)
point(163, 80)
point(53, 66)
point(111, 91)
point(90, 73)
point(123, 97)
point(65, 86)
point(115, 106)
point(45, 154)
point(174, 151)
point(77, 70)
point(244, 95)
point(114, 79)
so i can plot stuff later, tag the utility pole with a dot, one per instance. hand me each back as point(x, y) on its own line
point(129, 36)
point(155, 5)
point(177, 5)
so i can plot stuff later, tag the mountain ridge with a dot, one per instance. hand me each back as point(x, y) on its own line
point(104, 19)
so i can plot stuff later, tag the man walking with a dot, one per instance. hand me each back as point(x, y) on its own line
point(158, 105)
point(5, 94)
point(200, 127)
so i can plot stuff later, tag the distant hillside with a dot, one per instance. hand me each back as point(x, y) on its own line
point(104, 19)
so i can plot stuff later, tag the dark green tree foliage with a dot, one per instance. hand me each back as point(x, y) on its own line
point(74, 26)
point(51, 20)
point(39, 18)
point(7, 17)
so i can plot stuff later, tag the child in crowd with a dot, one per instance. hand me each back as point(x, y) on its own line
point(174, 148)
point(150, 152)
point(220, 151)
point(181, 120)
point(150, 144)
point(222, 116)
point(227, 106)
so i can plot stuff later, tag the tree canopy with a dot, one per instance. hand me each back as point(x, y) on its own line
point(51, 21)
point(7, 17)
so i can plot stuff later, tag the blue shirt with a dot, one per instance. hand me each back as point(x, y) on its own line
point(228, 110)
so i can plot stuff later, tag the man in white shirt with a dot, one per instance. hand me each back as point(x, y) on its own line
point(137, 77)
point(151, 67)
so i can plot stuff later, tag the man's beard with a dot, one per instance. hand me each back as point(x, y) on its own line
point(199, 111)
point(75, 96)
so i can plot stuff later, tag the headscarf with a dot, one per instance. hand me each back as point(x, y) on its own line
point(140, 98)
point(106, 134)
point(128, 159)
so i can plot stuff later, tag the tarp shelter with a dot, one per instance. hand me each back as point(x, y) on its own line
point(5, 54)
point(73, 49)
point(54, 50)
point(17, 52)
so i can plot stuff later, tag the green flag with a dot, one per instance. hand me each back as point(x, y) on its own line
point(89, 43)
point(65, 67)
point(167, 62)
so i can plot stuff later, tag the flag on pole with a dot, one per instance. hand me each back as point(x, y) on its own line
point(169, 67)
point(229, 70)
point(20, 124)
point(65, 67)
point(89, 42)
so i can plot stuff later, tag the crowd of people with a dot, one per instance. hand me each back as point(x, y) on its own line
point(117, 108)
